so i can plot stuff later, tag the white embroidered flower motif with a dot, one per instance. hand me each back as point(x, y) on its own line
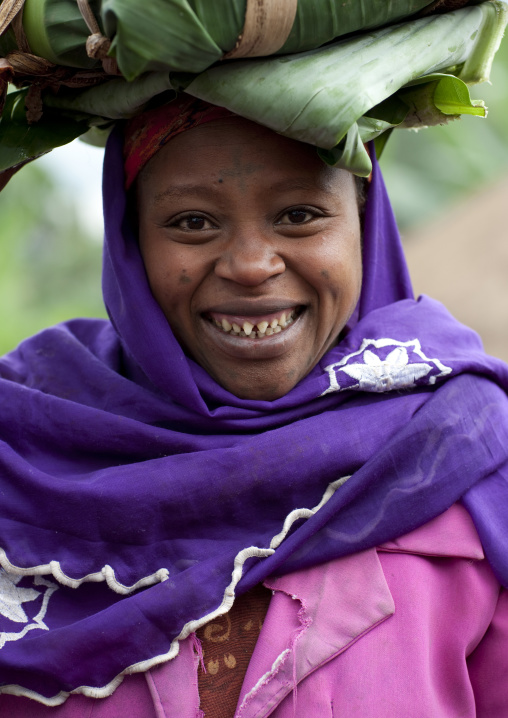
point(381, 365)
point(12, 598)
point(393, 372)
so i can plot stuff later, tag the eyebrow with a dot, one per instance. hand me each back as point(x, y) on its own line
point(183, 191)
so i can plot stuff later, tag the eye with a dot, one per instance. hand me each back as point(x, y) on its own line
point(192, 223)
point(297, 215)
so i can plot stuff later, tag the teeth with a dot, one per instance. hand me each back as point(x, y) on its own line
point(260, 330)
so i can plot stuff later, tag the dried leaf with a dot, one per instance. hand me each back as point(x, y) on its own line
point(33, 104)
point(30, 65)
point(8, 11)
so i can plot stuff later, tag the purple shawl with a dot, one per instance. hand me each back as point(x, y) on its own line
point(139, 497)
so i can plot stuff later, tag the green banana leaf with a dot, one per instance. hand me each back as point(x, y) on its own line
point(113, 100)
point(20, 141)
point(336, 97)
point(320, 96)
point(56, 31)
point(190, 35)
point(186, 35)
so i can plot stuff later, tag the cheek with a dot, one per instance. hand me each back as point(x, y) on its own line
point(168, 283)
point(341, 265)
point(340, 277)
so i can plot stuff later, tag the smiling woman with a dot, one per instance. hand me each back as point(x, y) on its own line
point(274, 483)
point(252, 248)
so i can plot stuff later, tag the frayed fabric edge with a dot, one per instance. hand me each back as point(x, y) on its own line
point(278, 664)
point(187, 630)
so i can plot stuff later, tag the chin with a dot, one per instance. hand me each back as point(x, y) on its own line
point(251, 388)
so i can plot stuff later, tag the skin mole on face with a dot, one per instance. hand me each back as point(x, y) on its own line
point(325, 274)
point(184, 277)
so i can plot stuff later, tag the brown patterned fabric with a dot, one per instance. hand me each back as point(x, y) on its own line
point(228, 643)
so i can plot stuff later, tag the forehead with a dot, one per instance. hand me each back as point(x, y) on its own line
point(235, 150)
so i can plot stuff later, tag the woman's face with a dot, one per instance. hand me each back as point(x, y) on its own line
point(252, 250)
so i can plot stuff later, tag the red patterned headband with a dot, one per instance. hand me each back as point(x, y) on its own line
point(148, 132)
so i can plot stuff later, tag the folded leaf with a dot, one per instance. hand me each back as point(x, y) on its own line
point(56, 31)
point(452, 97)
point(115, 99)
point(336, 97)
point(20, 141)
point(190, 35)
point(320, 96)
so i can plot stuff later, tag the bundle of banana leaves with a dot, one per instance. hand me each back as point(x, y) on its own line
point(333, 74)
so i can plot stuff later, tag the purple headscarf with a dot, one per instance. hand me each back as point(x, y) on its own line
point(138, 496)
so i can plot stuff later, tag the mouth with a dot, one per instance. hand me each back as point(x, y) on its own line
point(254, 327)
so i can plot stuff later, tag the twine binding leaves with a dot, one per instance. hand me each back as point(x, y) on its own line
point(19, 33)
point(28, 68)
point(21, 67)
point(97, 44)
point(266, 28)
point(8, 11)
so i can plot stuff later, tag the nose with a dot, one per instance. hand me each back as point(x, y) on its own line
point(249, 258)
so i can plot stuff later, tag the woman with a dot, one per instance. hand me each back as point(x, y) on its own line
point(161, 468)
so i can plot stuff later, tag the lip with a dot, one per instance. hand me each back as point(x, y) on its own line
point(268, 347)
point(252, 307)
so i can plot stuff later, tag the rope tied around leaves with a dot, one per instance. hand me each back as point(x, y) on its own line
point(97, 44)
point(21, 67)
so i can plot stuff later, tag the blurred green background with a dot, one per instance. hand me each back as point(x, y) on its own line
point(50, 234)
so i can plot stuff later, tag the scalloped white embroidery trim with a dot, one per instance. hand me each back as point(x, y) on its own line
point(107, 574)
point(190, 627)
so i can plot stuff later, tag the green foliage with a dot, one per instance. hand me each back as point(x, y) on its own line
point(191, 35)
point(330, 97)
point(20, 141)
point(50, 268)
point(427, 170)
